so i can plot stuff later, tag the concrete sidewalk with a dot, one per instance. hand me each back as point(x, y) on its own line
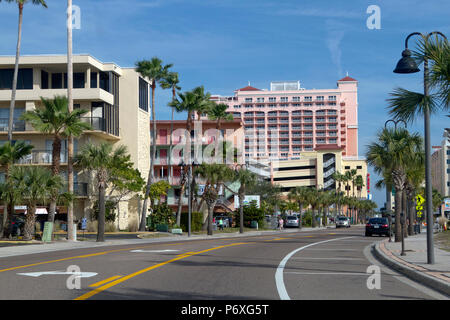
point(66, 245)
point(414, 263)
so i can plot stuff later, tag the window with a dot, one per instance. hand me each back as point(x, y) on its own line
point(358, 167)
point(24, 79)
point(319, 98)
point(259, 99)
point(347, 167)
point(308, 98)
point(94, 83)
point(273, 99)
point(237, 106)
point(284, 99)
point(143, 94)
point(44, 80)
point(104, 81)
point(332, 98)
point(78, 80)
point(248, 99)
point(296, 99)
point(57, 81)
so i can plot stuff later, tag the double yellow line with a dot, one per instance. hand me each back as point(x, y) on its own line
point(110, 284)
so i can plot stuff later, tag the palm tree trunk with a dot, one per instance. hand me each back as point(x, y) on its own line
point(313, 217)
point(180, 204)
point(28, 229)
point(56, 160)
point(300, 207)
point(70, 233)
point(5, 220)
point(16, 73)
point(101, 214)
point(241, 212)
point(405, 213)
point(152, 162)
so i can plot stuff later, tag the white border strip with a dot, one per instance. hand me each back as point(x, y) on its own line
point(279, 273)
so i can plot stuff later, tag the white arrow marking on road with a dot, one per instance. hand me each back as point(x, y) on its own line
point(78, 274)
point(168, 250)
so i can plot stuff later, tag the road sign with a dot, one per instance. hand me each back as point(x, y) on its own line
point(419, 208)
point(419, 214)
point(420, 200)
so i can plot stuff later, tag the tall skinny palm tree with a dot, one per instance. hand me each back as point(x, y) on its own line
point(20, 4)
point(247, 179)
point(299, 195)
point(155, 72)
point(171, 82)
point(218, 113)
point(55, 119)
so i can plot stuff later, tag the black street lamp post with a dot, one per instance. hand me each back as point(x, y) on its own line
point(408, 65)
point(388, 192)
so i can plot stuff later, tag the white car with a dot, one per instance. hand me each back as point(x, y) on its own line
point(342, 222)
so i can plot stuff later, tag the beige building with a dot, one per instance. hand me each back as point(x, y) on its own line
point(117, 101)
point(440, 166)
point(316, 168)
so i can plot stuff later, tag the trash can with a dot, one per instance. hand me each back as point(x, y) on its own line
point(254, 225)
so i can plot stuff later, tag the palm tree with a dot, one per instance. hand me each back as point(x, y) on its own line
point(20, 4)
point(392, 155)
point(215, 175)
point(36, 184)
point(10, 154)
point(99, 160)
point(171, 82)
point(300, 195)
point(55, 119)
point(205, 104)
point(247, 179)
point(218, 113)
point(314, 201)
point(156, 72)
point(415, 175)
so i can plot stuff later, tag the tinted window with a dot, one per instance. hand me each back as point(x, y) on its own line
point(93, 79)
point(24, 79)
point(378, 221)
point(292, 218)
point(143, 94)
point(78, 80)
point(57, 81)
point(44, 80)
point(342, 218)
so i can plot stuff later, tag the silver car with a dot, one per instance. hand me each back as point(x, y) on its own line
point(292, 221)
point(342, 222)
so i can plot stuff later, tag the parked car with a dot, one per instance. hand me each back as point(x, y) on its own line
point(291, 221)
point(377, 226)
point(342, 222)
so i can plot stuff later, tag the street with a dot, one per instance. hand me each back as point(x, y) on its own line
point(325, 264)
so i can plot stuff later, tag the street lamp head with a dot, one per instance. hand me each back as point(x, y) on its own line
point(406, 64)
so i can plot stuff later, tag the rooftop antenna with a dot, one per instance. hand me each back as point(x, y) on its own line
point(347, 73)
point(249, 83)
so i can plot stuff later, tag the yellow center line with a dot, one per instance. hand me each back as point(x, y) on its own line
point(132, 275)
point(97, 284)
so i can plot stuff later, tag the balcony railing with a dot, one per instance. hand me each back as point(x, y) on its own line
point(18, 125)
point(96, 123)
point(42, 157)
point(80, 189)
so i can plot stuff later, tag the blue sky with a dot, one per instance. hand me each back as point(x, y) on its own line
point(224, 44)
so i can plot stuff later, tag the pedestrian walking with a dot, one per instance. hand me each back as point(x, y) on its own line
point(280, 224)
point(220, 224)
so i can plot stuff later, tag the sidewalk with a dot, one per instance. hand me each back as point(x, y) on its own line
point(66, 245)
point(414, 264)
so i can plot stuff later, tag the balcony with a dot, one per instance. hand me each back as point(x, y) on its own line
point(41, 157)
point(80, 189)
point(18, 125)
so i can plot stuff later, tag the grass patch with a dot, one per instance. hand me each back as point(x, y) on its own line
point(153, 235)
point(442, 240)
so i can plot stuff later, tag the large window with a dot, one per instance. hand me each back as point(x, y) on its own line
point(78, 80)
point(24, 79)
point(143, 94)
point(57, 81)
point(104, 81)
point(44, 80)
point(94, 83)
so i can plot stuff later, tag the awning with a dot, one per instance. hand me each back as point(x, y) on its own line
point(39, 211)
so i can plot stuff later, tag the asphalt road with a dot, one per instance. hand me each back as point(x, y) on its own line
point(327, 264)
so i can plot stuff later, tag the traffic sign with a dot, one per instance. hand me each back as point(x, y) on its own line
point(419, 214)
point(420, 200)
point(419, 208)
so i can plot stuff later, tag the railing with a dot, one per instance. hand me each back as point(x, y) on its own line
point(328, 183)
point(18, 125)
point(96, 123)
point(329, 173)
point(41, 157)
point(80, 189)
point(329, 162)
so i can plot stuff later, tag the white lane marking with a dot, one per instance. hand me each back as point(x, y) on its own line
point(279, 273)
point(330, 273)
point(312, 249)
point(310, 258)
point(154, 251)
point(77, 274)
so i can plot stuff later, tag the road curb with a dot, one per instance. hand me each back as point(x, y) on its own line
point(427, 280)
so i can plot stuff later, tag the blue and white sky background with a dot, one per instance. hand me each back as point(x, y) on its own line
point(224, 44)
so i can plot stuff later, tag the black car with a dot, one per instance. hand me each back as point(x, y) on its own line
point(377, 226)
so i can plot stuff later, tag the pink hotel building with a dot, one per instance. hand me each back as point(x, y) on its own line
point(287, 119)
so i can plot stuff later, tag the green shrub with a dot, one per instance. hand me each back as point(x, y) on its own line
point(162, 214)
point(251, 213)
point(109, 211)
point(307, 219)
point(196, 221)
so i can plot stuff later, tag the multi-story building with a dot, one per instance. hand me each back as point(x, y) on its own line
point(440, 166)
point(301, 136)
point(117, 101)
point(203, 136)
point(287, 119)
